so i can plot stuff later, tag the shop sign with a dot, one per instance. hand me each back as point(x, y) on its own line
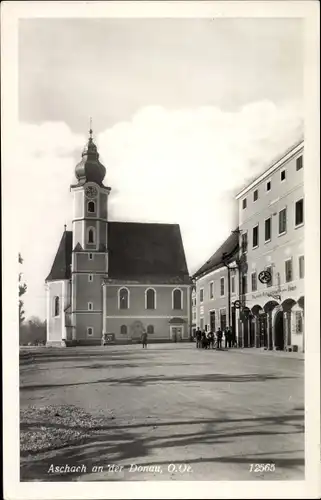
point(265, 277)
point(289, 288)
point(274, 295)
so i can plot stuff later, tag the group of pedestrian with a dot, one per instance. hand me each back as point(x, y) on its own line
point(204, 340)
point(208, 340)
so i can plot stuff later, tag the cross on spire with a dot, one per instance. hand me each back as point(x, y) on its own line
point(90, 128)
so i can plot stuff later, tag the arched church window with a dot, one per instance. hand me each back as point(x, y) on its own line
point(91, 206)
point(123, 329)
point(150, 299)
point(91, 235)
point(56, 306)
point(123, 302)
point(177, 299)
point(150, 329)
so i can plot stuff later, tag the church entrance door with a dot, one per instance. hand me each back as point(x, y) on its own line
point(176, 333)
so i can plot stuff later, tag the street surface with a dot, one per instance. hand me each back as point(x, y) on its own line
point(211, 414)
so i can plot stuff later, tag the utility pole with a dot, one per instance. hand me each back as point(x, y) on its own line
point(239, 268)
point(225, 259)
point(225, 262)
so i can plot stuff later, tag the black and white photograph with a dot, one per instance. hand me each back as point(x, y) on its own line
point(157, 210)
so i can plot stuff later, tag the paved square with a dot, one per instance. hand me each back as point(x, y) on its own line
point(211, 414)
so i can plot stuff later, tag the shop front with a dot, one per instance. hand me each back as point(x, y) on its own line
point(274, 320)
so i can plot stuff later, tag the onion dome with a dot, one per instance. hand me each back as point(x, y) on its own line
point(89, 169)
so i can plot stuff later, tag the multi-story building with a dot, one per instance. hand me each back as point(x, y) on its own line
point(194, 311)
point(116, 278)
point(217, 288)
point(271, 224)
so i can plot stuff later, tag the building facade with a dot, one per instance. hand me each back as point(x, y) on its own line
point(271, 255)
point(115, 278)
point(194, 310)
point(217, 288)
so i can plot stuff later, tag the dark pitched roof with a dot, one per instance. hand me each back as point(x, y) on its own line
point(61, 266)
point(149, 280)
point(137, 253)
point(229, 247)
point(146, 252)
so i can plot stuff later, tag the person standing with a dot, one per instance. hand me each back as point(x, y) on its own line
point(226, 337)
point(211, 339)
point(198, 338)
point(229, 339)
point(219, 335)
point(144, 339)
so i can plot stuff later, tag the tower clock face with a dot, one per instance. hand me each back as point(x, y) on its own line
point(91, 192)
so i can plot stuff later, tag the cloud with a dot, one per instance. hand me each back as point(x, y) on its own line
point(185, 165)
point(43, 167)
point(181, 166)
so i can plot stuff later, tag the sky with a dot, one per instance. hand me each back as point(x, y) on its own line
point(184, 113)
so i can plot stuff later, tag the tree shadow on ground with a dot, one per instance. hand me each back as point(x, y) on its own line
point(85, 353)
point(58, 359)
point(136, 443)
point(283, 419)
point(149, 380)
point(130, 365)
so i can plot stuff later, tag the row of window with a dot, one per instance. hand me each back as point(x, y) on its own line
point(299, 165)
point(288, 278)
point(288, 272)
point(214, 321)
point(56, 309)
point(150, 299)
point(299, 219)
point(123, 330)
point(124, 300)
point(222, 289)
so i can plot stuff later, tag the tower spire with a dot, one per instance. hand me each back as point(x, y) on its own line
point(89, 169)
point(90, 148)
point(90, 128)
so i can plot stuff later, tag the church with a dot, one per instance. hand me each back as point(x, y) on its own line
point(111, 281)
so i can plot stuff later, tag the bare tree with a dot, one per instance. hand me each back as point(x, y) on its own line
point(22, 291)
point(33, 331)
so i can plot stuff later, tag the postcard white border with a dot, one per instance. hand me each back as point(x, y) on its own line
point(13, 489)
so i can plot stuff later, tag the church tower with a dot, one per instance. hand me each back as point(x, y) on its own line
point(115, 278)
point(89, 263)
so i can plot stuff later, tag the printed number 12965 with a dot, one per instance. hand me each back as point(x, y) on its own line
point(262, 467)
